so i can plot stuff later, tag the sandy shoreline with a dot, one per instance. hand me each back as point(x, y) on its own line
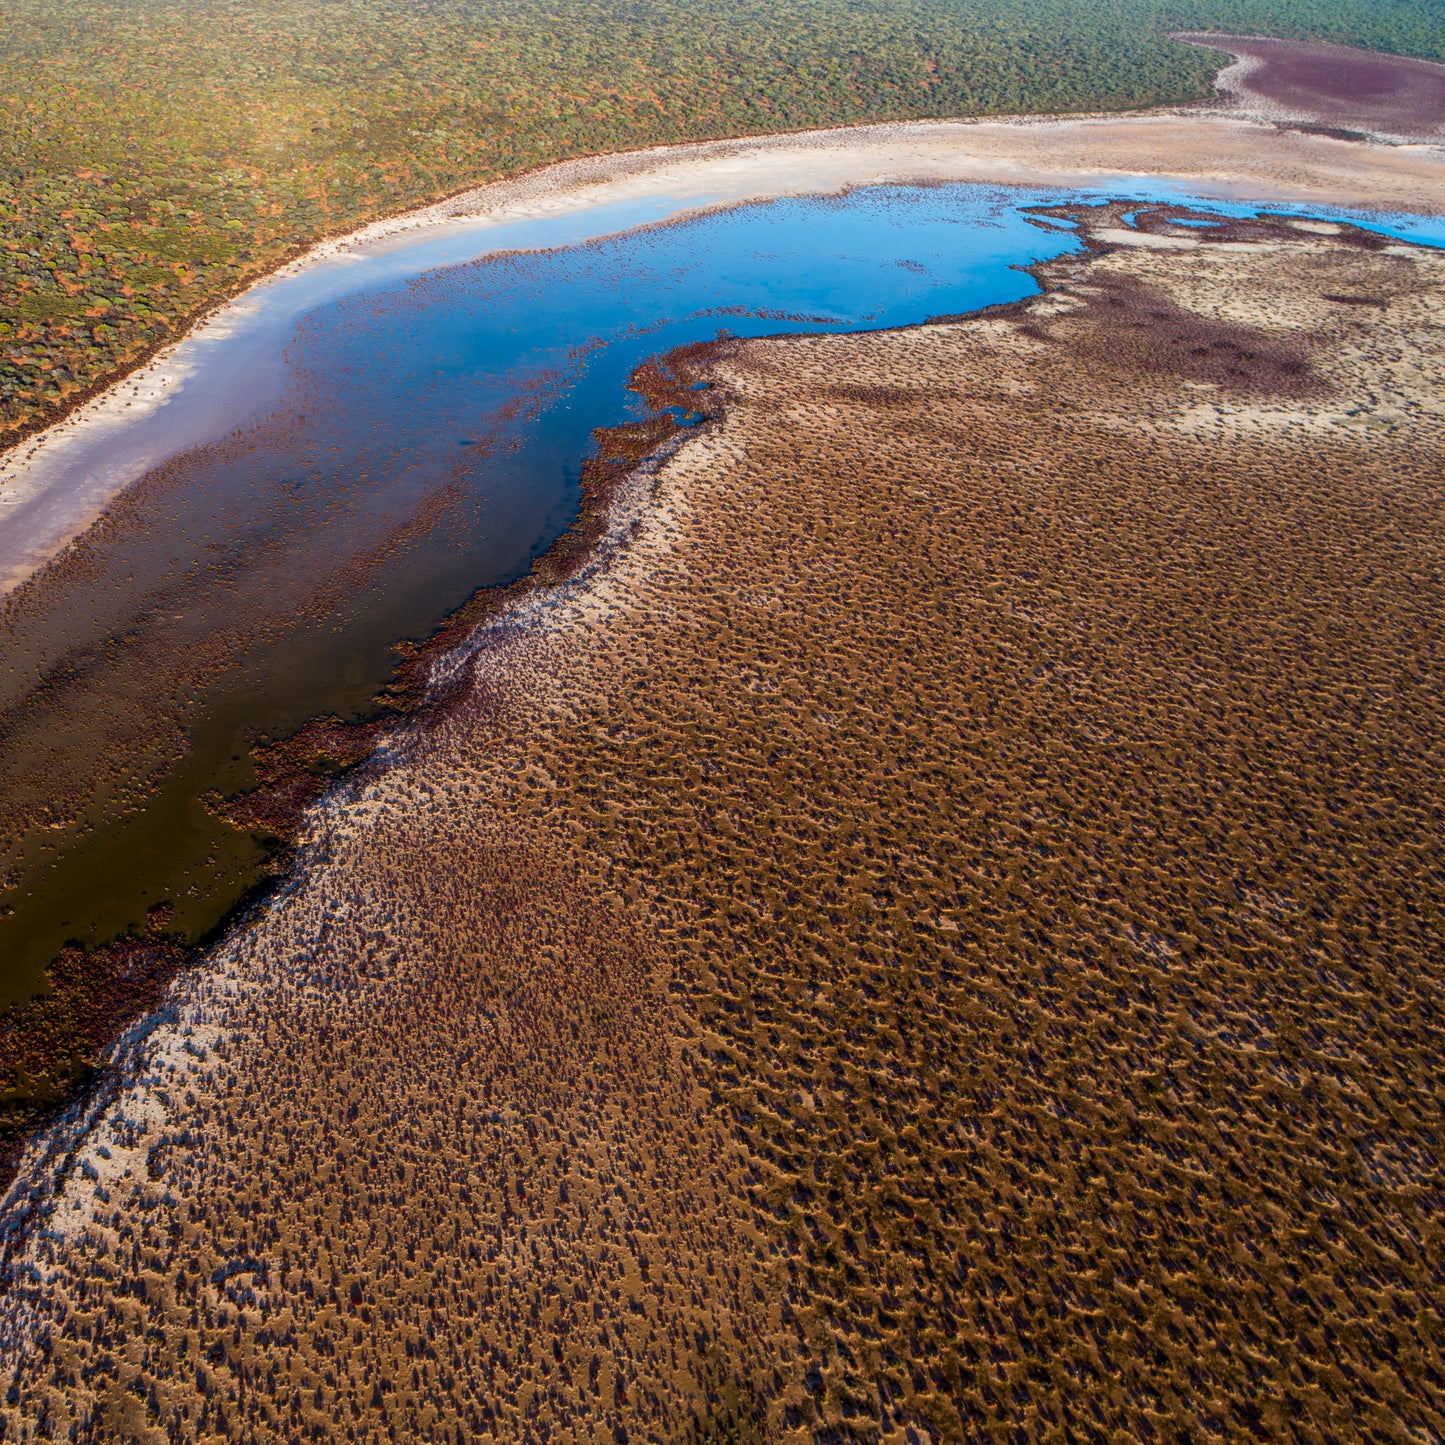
point(1222, 154)
point(44, 507)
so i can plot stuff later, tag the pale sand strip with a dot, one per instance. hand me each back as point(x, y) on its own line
point(1211, 154)
point(1223, 156)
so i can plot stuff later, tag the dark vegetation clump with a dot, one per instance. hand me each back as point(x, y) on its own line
point(293, 772)
point(51, 1046)
point(672, 406)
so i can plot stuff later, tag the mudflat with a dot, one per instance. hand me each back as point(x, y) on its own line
point(932, 931)
point(1332, 86)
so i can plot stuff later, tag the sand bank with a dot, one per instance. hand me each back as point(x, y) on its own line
point(53, 485)
point(1216, 155)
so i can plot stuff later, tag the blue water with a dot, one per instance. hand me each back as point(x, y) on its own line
point(421, 437)
point(570, 325)
point(1422, 230)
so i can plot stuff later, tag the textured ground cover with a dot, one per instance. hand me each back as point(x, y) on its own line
point(153, 159)
point(938, 935)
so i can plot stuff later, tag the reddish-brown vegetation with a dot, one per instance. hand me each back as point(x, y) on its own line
point(1335, 86)
point(52, 1047)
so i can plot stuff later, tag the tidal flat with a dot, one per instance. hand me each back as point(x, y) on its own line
point(316, 481)
point(250, 525)
point(932, 931)
point(263, 576)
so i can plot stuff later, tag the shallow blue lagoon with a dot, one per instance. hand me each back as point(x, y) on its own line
point(379, 441)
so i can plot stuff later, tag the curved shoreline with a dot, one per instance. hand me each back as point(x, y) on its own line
point(719, 174)
point(1229, 157)
point(442, 678)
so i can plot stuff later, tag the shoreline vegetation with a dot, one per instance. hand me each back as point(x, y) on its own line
point(581, 1092)
point(52, 1047)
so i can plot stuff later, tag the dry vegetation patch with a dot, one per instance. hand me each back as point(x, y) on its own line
point(939, 940)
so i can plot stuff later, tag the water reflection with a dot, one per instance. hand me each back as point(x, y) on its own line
point(417, 438)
